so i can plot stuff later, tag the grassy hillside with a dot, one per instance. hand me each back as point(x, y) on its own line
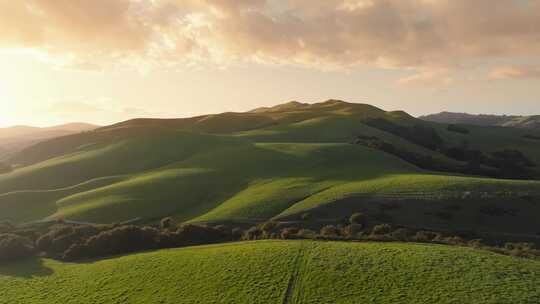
point(526, 122)
point(16, 138)
point(280, 272)
point(276, 162)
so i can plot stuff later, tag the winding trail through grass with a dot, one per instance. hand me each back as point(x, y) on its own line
point(293, 291)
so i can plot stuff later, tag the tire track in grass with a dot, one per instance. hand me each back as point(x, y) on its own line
point(292, 286)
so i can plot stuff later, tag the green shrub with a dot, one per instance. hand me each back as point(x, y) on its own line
point(454, 240)
point(352, 230)
point(425, 236)
point(307, 234)
point(476, 243)
point(167, 223)
point(61, 237)
point(358, 218)
point(123, 239)
point(6, 226)
point(381, 229)
point(330, 231)
point(289, 233)
point(253, 233)
point(268, 227)
point(237, 233)
point(14, 247)
point(401, 234)
point(200, 234)
point(225, 231)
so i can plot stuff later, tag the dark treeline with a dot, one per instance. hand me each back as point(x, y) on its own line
point(70, 242)
point(508, 163)
point(532, 136)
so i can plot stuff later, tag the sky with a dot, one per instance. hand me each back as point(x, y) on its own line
point(104, 61)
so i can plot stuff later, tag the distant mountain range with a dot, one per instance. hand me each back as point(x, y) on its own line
point(16, 138)
point(526, 122)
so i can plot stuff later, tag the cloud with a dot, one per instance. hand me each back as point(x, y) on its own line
point(515, 72)
point(417, 34)
point(428, 78)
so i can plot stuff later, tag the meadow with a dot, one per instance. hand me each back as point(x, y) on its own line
point(280, 272)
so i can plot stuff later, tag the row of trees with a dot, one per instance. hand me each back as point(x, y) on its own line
point(76, 242)
point(507, 163)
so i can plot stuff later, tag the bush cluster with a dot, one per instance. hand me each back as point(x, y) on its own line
point(76, 242)
point(500, 164)
point(13, 247)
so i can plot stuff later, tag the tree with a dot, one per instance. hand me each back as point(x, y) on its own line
point(381, 229)
point(289, 233)
point(329, 231)
point(13, 247)
point(401, 234)
point(268, 227)
point(167, 223)
point(358, 218)
point(352, 230)
point(253, 233)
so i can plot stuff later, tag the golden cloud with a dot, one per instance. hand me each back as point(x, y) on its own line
point(418, 34)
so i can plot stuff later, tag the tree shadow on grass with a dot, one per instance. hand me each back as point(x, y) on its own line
point(27, 268)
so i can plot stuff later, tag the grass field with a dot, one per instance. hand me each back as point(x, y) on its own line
point(237, 166)
point(280, 272)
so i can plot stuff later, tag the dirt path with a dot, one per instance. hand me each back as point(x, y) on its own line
point(298, 265)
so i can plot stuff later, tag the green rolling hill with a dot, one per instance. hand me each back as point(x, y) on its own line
point(525, 122)
point(281, 162)
point(280, 272)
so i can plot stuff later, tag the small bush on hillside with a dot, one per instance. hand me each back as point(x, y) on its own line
point(358, 218)
point(122, 239)
point(167, 223)
point(6, 226)
point(268, 227)
point(201, 234)
point(226, 231)
point(14, 247)
point(381, 229)
point(401, 234)
point(237, 233)
point(521, 249)
point(289, 233)
point(60, 238)
point(425, 236)
point(352, 230)
point(519, 246)
point(253, 233)
point(329, 231)
point(475, 243)
point(307, 234)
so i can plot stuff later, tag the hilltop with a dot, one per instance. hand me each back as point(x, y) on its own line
point(320, 161)
point(16, 138)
